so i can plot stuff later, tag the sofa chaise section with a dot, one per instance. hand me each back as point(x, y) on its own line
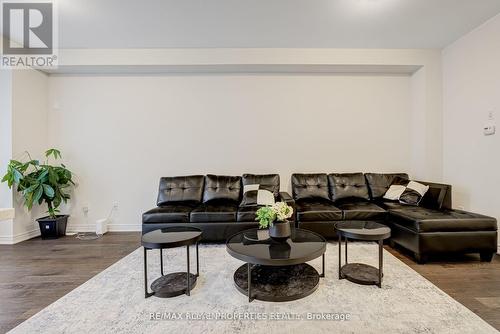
point(429, 231)
point(435, 227)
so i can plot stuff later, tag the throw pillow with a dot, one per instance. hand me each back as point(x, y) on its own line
point(394, 192)
point(253, 196)
point(396, 189)
point(413, 193)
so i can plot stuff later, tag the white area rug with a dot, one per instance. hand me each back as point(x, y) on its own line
point(113, 301)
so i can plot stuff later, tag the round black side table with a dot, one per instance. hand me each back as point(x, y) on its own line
point(361, 273)
point(178, 283)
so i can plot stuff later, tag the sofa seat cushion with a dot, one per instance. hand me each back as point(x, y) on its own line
point(428, 220)
point(391, 205)
point(361, 211)
point(315, 210)
point(247, 214)
point(171, 213)
point(214, 212)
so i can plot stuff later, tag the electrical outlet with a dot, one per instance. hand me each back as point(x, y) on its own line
point(115, 206)
point(85, 210)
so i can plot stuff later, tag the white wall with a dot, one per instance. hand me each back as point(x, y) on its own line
point(23, 127)
point(5, 133)
point(6, 226)
point(471, 79)
point(120, 134)
point(426, 124)
point(5, 140)
point(29, 133)
point(426, 84)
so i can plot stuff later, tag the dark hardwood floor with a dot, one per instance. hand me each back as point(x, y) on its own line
point(472, 283)
point(35, 273)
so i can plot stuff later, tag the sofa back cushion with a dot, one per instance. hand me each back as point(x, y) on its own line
point(180, 189)
point(309, 186)
point(222, 187)
point(379, 183)
point(348, 185)
point(269, 182)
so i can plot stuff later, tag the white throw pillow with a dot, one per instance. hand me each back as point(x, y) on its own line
point(250, 187)
point(394, 192)
point(418, 187)
point(265, 197)
point(413, 193)
point(253, 195)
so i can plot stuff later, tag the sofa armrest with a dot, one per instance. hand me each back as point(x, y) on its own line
point(147, 216)
point(285, 197)
point(438, 197)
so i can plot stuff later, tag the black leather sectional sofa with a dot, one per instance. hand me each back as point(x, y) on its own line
point(320, 200)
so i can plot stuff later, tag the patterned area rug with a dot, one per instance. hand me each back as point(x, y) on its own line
point(113, 301)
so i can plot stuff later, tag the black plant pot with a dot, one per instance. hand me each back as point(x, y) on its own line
point(280, 230)
point(53, 228)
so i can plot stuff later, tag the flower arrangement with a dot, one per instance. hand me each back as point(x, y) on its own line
point(266, 215)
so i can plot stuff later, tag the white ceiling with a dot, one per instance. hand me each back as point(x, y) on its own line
point(269, 23)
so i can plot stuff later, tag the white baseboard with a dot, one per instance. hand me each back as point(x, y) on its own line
point(73, 228)
point(124, 228)
point(14, 239)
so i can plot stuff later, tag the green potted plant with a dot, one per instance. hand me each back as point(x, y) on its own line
point(275, 218)
point(43, 183)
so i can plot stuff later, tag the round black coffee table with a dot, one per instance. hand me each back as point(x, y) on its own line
point(367, 231)
point(276, 270)
point(173, 284)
